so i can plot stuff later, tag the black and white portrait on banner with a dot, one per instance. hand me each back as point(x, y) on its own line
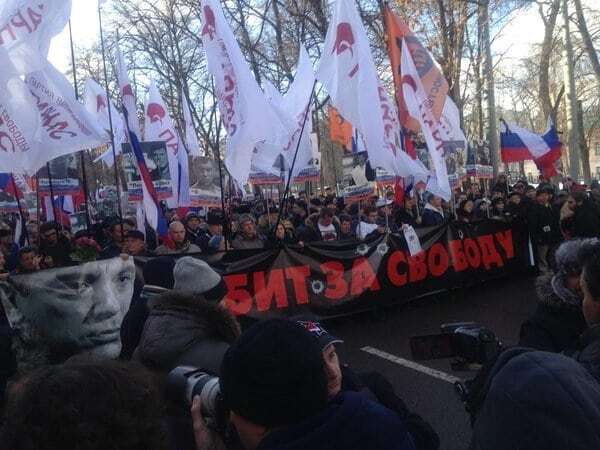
point(205, 183)
point(67, 311)
point(157, 161)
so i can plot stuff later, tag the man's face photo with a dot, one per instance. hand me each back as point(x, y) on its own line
point(205, 173)
point(75, 309)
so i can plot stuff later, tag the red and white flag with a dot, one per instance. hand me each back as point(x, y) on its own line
point(28, 26)
point(348, 73)
point(443, 136)
point(127, 95)
point(246, 113)
point(96, 104)
point(158, 126)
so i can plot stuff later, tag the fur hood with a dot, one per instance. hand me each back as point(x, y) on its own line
point(177, 321)
point(546, 294)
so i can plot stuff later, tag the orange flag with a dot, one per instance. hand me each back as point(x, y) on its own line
point(340, 130)
point(433, 81)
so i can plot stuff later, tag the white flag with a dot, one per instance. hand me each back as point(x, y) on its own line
point(442, 136)
point(127, 96)
point(248, 117)
point(96, 104)
point(19, 119)
point(65, 125)
point(297, 102)
point(191, 139)
point(348, 73)
point(27, 27)
point(158, 126)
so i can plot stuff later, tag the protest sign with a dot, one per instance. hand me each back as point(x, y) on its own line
point(65, 176)
point(205, 186)
point(155, 155)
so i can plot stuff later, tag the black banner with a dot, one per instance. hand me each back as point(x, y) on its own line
point(337, 278)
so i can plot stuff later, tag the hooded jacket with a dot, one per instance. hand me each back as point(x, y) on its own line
point(350, 422)
point(177, 324)
point(538, 400)
point(556, 324)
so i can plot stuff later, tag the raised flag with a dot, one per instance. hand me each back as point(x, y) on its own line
point(65, 125)
point(520, 144)
point(154, 214)
point(127, 96)
point(191, 139)
point(97, 105)
point(27, 27)
point(442, 136)
point(295, 105)
point(348, 73)
point(159, 126)
point(340, 130)
point(434, 84)
point(247, 115)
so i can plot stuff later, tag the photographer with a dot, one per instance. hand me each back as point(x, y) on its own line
point(274, 384)
point(371, 384)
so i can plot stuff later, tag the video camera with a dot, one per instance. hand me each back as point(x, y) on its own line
point(185, 382)
point(468, 342)
point(473, 346)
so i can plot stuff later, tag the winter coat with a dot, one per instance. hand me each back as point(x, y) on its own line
point(538, 401)
point(543, 224)
point(176, 324)
point(431, 217)
point(586, 223)
point(188, 247)
point(589, 355)
point(241, 243)
point(555, 326)
point(60, 253)
point(310, 231)
point(349, 422)
point(378, 389)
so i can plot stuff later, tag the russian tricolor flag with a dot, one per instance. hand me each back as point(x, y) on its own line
point(8, 184)
point(519, 144)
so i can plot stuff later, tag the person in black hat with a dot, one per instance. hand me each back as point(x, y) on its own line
point(274, 383)
point(544, 228)
point(193, 223)
point(212, 240)
point(340, 378)
point(135, 243)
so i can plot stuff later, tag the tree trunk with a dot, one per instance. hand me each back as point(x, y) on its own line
point(587, 40)
point(488, 73)
point(571, 98)
point(544, 77)
point(585, 153)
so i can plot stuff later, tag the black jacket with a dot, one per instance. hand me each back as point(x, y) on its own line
point(589, 355)
point(555, 326)
point(544, 224)
point(378, 389)
point(60, 253)
point(586, 222)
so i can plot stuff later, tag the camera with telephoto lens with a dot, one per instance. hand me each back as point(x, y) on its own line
point(185, 382)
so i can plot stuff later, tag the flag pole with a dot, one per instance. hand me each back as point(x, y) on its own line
point(51, 191)
point(109, 106)
point(218, 155)
point(23, 224)
point(37, 204)
point(283, 202)
point(86, 193)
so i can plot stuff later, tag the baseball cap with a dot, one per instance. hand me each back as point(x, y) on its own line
point(316, 330)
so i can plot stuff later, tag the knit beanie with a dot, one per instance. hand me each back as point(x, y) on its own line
point(196, 276)
point(273, 375)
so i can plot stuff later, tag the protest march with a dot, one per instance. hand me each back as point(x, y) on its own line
point(193, 192)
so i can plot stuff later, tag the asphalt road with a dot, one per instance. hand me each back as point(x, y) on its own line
point(501, 305)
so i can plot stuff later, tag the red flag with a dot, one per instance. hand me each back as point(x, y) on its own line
point(399, 191)
point(340, 130)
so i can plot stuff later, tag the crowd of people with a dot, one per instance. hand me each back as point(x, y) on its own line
point(552, 215)
point(281, 381)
